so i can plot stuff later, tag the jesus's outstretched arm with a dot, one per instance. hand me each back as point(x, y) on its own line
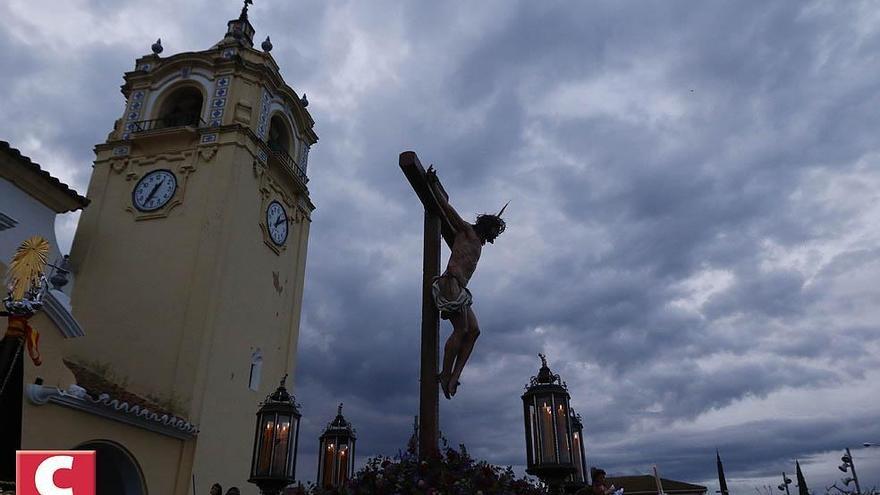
point(454, 218)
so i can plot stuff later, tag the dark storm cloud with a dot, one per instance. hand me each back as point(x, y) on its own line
point(692, 232)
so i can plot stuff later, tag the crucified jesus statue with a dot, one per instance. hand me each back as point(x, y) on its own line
point(451, 295)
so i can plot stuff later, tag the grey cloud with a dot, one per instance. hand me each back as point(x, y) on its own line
point(690, 138)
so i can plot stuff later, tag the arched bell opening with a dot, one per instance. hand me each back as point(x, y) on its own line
point(279, 139)
point(183, 107)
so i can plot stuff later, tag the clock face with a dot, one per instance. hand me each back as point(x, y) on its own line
point(154, 190)
point(276, 222)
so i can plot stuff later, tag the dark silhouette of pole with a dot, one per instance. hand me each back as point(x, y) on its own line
point(801, 481)
point(429, 396)
point(722, 481)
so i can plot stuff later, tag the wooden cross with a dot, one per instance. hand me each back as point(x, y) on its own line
point(437, 225)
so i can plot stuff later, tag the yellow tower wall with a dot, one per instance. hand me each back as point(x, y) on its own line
point(176, 301)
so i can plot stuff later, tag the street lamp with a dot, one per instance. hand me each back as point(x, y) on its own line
point(849, 465)
point(783, 487)
point(580, 460)
point(548, 428)
point(273, 464)
point(336, 453)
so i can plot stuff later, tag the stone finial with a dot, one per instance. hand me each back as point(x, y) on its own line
point(304, 101)
point(267, 45)
point(157, 46)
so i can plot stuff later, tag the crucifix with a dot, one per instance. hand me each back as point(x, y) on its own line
point(446, 295)
point(436, 226)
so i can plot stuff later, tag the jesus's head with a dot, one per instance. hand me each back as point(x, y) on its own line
point(488, 227)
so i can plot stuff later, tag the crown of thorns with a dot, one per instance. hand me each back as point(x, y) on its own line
point(499, 223)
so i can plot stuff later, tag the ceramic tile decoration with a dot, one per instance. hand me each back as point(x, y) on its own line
point(218, 103)
point(262, 123)
point(133, 114)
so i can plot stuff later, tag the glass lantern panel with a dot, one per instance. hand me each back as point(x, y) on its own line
point(291, 451)
point(562, 432)
point(546, 430)
point(578, 461)
point(343, 457)
point(282, 439)
point(329, 460)
point(533, 433)
point(264, 449)
point(351, 454)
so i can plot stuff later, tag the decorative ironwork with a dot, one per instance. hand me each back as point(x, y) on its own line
point(244, 10)
point(288, 161)
point(167, 122)
point(545, 376)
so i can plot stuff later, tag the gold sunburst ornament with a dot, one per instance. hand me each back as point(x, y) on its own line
point(26, 269)
point(26, 287)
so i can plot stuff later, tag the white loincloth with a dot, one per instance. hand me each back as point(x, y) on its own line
point(447, 307)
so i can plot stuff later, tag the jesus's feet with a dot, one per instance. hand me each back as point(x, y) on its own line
point(453, 387)
point(443, 378)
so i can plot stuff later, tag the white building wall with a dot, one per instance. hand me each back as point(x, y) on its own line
point(33, 217)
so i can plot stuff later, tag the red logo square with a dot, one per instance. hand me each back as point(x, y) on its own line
point(55, 472)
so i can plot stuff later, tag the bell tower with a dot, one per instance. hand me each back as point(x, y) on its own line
point(189, 264)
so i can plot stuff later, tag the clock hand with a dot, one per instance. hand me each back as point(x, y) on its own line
point(279, 222)
point(150, 196)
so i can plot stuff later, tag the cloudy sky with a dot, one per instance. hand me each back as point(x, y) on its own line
point(694, 229)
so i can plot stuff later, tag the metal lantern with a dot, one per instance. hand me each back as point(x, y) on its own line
point(549, 442)
point(336, 453)
point(578, 458)
point(273, 464)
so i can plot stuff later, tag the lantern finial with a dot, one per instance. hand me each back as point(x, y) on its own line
point(339, 409)
point(283, 380)
point(545, 375)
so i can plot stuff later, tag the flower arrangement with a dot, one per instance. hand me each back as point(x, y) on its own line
point(453, 473)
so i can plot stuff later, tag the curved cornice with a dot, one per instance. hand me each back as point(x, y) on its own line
point(266, 70)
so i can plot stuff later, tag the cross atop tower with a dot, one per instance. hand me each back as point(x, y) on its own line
point(244, 10)
point(241, 29)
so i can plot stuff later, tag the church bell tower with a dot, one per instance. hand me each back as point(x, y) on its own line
point(189, 263)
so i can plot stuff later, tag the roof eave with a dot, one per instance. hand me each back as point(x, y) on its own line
point(38, 183)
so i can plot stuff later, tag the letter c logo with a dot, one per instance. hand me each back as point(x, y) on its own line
point(43, 478)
